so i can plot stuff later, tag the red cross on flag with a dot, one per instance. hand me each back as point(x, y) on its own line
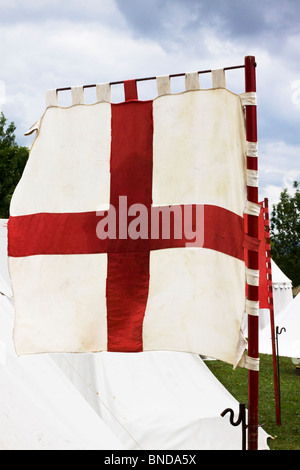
point(126, 230)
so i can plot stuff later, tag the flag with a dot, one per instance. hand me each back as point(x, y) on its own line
point(264, 268)
point(126, 230)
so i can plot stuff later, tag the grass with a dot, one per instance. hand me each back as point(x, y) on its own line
point(287, 435)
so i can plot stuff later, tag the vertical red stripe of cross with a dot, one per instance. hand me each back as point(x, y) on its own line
point(131, 176)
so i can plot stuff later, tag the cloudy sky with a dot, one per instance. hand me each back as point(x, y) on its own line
point(53, 43)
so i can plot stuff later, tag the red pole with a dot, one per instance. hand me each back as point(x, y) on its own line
point(272, 321)
point(253, 263)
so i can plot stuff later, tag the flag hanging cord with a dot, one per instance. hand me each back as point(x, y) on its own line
point(120, 82)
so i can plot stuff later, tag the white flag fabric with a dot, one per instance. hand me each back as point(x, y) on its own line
point(126, 231)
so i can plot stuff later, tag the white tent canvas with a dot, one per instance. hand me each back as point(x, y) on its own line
point(40, 409)
point(288, 341)
point(282, 296)
point(5, 285)
point(157, 400)
point(282, 289)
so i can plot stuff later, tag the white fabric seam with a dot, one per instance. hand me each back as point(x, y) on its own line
point(103, 92)
point(251, 149)
point(252, 178)
point(51, 98)
point(252, 276)
point(77, 95)
point(248, 98)
point(251, 363)
point(163, 85)
point(218, 78)
point(252, 208)
point(252, 307)
point(192, 81)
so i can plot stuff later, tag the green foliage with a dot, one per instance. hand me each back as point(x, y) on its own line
point(12, 162)
point(285, 233)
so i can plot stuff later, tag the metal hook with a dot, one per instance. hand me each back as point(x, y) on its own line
point(241, 419)
point(278, 332)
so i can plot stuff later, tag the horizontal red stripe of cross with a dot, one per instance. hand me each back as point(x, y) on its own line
point(76, 233)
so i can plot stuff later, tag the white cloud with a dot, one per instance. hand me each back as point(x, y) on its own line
point(58, 54)
point(2, 94)
point(279, 165)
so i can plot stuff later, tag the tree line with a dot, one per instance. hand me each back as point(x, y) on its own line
point(13, 159)
point(285, 216)
point(285, 233)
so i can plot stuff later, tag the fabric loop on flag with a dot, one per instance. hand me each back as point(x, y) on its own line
point(130, 90)
point(252, 178)
point(77, 95)
point(251, 363)
point(51, 98)
point(251, 149)
point(103, 92)
point(163, 85)
point(218, 78)
point(252, 276)
point(251, 243)
point(248, 98)
point(252, 307)
point(252, 208)
point(192, 81)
